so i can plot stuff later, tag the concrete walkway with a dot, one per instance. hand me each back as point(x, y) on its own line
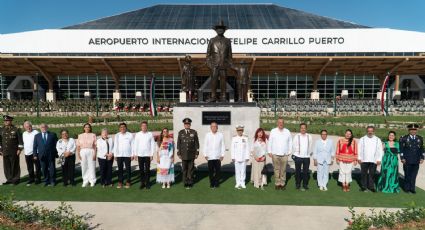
point(211, 216)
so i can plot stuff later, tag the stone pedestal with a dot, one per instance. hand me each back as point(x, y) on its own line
point(50, 96)
point(315, 95)
point(182, 97)
point(116, 96)
point(247, 114)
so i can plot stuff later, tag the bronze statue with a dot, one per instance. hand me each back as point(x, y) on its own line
point(188, 77)
point(219, 58)
point(243, 80)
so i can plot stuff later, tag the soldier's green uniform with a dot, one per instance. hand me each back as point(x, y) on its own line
point(188, 151)
point(10, 143)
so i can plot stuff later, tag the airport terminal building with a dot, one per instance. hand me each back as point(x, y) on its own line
point(287, 50)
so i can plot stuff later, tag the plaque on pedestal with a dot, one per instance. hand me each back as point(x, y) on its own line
point(227, 115)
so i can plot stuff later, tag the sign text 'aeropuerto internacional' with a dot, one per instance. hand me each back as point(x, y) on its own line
point(64, 41)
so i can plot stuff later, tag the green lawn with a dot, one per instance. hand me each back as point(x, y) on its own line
point(226, 194)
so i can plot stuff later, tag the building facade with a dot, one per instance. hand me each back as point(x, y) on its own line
point(293, 51)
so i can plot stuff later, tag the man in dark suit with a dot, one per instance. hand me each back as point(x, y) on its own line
point(188, 151)
point(45, 151)
point(411, 154)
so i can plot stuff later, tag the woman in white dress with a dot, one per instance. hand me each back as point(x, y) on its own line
point(165, 159)
point(258, 153)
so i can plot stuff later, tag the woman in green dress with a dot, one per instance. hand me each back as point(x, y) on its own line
point(388, 181)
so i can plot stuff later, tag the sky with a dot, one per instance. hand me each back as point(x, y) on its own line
point(28, 15)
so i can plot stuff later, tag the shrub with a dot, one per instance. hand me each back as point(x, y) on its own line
point(385, 219)
point(63, 217)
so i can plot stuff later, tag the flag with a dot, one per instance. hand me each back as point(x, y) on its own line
point(383, 90)
point(152, 104)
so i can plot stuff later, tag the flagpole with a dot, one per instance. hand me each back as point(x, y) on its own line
point(152, 105)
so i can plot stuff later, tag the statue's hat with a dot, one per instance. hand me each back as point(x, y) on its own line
point(220, 25)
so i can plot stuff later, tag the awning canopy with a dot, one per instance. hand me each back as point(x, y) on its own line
point(169, 65)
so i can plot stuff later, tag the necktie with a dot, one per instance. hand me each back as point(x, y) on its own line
point(187, 131)
point(45, 137)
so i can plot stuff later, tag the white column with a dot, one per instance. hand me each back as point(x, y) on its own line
point(50, 96)
point(183, 97)
point(315, 95)
point(116, 96)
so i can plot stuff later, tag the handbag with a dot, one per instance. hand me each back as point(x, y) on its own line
point(264, 170)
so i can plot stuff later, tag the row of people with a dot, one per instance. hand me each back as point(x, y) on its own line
point(370, 152)
point(42, 148)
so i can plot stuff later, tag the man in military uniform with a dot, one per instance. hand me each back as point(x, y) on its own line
point(412, 154)
point(11, 145)
point(219, 58)
point(188, 151)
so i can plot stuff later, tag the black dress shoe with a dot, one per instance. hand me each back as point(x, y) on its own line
point(373, 190)
point(413, 191)
point(363, 190)
point(148, 187)
point(141, 186)
point(7, 182)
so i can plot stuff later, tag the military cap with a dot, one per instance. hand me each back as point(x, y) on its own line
point(413, 126)
point(240, 127)
point(7, 118)
point(187, 120)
